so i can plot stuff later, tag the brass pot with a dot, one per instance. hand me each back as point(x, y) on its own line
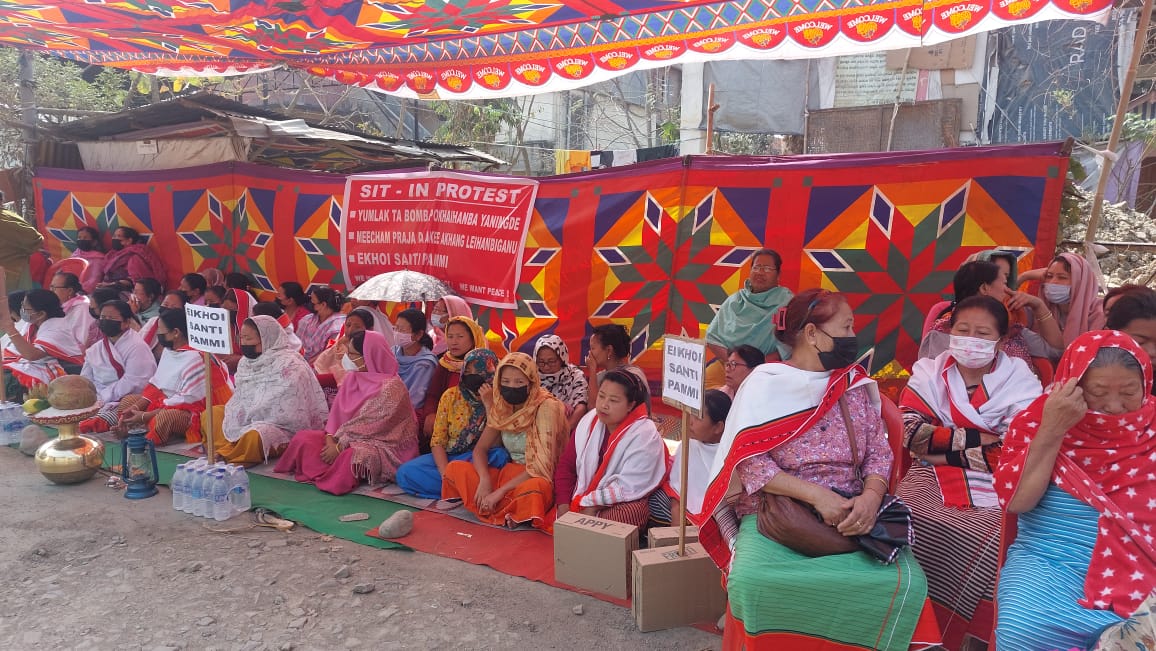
point(69, 458)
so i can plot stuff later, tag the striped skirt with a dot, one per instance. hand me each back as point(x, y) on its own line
point(959, 551)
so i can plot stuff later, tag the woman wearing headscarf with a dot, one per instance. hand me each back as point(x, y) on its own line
point(445, 309)
point(462, 334)
point(458, 425)
point(530, 424)
point(240, 304)
point(277, 395)
point(1077, 468)
point(1071, 293)
point(371, 428)
point(565, 381)
point(213, 276)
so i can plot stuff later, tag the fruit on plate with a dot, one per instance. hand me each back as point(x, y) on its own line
point(71, 392)
point(35, 405)
point(38, 390)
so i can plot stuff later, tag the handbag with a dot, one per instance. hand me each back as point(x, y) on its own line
point(797, 526)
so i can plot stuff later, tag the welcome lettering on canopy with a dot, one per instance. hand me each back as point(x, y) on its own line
point(656, 247)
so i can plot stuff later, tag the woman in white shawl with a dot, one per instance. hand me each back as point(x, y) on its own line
point(276, 395)
point(616, 457)
point(956, 409)
point(46, 350)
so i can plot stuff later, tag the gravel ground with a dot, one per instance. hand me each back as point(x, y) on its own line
point(83, 568)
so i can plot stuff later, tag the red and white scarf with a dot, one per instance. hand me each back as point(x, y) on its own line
point(633, 465)
point(1106, 461)
point(936, 389)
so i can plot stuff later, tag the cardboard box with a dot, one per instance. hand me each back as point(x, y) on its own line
point(942, 56)
point(594, 554)
point(672, 590)
point(667, 536)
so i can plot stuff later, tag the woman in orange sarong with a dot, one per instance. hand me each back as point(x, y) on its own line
point(531, 424)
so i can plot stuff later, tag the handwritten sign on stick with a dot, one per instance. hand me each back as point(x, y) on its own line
point(209, 330)
point(684, 373)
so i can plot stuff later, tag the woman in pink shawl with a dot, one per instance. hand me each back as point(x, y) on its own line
point(445, 309)
point(130, 260)
point(1071, 292)
point(91, 250)
point(371, 429)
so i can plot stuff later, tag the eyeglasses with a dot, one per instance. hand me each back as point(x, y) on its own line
point(57, 287)
point(763, 267)
point(732, 365)
point(548, 363)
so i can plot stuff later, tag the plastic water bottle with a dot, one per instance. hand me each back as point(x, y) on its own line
point(198, 493)
point(239, 498)
point(178, 487)
point(221, 507)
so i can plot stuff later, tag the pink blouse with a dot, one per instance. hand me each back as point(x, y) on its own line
point(822, 455)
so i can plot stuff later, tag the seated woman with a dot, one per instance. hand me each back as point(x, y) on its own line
point(787, 435)
point(616, 457)
point(130, 259)
point(705, 433)
point(90, 248)
point(48, 348)
point(174, 300)
point(444, 309)
point(121, 363)
point(1134, 314)
point(146, 299)
point(15, 302)
point(324, 325)
point(215, 295)
point(565, 381)
point(277, 396)
point(292, 298)
point(77, 307)
point(416, 362)
point(329, 364)
point(381, 322)
point(1076, 467)
point(530, 424)
point(462, 334)
point(741, 361)
point(240, 304)
point(458, 425)
point(1069, 291)
point(956, 409)
point(170, 407)
point(987, 279)
point(371, 428)
point(610, 350)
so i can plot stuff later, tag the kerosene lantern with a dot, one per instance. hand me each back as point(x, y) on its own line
point(138, 467)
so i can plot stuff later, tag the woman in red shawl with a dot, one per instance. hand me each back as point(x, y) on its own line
point(1077, 466)
point(130, 260)
point(371, 429)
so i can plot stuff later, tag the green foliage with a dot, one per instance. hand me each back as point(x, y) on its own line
point(475, 123)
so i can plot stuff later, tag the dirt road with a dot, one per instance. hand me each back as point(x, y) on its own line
point(84, 568)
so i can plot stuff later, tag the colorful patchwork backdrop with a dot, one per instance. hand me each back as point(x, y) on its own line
point(656, 247)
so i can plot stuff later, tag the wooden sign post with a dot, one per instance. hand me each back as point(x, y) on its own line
point(684, 386)
point(209, 332)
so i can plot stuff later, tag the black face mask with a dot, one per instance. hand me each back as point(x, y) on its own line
point(472, 383)
point(110, 328)
point(166, 342)
point(843, 354)
point(515, 395)
point(250, 351)
point(85, 245)
point(169, 310)
point(117, 245)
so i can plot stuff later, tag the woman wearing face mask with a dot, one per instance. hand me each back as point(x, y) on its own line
point(416, 362)
point(292, 298)
point(705, 433)
point(277, 395)
point(121, 363)
point(129, 259)
point(1070, 291)
point(15, 302)
point(530, 424)
point(445, 309)
point(462, 335)
point(329, 364)
point(616, 457)
point(324, 325)
point(90, 249)
point(788, 434)
point(459, 423)
point(371, 428)
point(956, 409)
point(174, 300)
point(240, 304)
point(565, 381)
point(1077, 469)
point(170, 407)
point(47, 349)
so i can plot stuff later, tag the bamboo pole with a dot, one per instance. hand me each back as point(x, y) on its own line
point(682, 472)
point(711, 107)
point(209, 456)
point(1114, 138)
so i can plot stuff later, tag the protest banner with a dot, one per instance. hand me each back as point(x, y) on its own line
point(465, 229)
point(210, 333)
point(684, 386)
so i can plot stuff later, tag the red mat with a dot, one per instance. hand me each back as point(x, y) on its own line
point(528, 554)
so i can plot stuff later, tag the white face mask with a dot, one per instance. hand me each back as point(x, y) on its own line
point(349, 364)
point(436, 320)
point(402, 339)
point(972, 352)
point(1057, 294)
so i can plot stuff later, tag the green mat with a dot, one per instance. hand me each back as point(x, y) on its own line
point(301, 503)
